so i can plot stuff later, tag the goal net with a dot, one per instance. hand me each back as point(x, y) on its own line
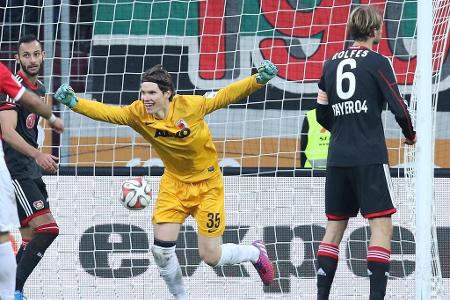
point(102, 47)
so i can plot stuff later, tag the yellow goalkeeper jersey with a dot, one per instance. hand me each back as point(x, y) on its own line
point(182, 140)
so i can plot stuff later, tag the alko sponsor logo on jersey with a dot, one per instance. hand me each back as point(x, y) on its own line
point(185, 132)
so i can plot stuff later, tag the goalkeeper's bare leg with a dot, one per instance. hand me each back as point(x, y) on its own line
point(214, 253)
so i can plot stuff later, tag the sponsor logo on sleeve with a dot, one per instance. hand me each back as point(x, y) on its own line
point(38, 205)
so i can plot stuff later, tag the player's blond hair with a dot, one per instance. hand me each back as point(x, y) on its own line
point(363, 21)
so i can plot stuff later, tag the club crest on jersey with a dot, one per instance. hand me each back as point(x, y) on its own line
point(31, 121)
point(181, 124)
point(38, 205)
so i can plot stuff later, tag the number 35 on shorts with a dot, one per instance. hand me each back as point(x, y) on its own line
point(213, 225)
point(213, 222)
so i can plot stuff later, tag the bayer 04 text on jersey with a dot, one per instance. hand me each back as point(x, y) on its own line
point(349, 107)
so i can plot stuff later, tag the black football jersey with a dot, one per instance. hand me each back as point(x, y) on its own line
point(19, 165)
point(358, 83)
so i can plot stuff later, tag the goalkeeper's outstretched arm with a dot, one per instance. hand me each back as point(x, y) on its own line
point(93, 109)
point(240, 89)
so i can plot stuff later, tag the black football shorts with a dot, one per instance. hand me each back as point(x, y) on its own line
point(31, 198)
point(360, 188)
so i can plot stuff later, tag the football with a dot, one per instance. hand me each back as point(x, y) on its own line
point(136, 193)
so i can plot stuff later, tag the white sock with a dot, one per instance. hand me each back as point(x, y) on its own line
point(170, 270)
point(7, 271)
point(235, 254)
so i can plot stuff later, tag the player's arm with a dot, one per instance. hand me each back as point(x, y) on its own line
point(8, 123)
point(16, 91)
point(397, 104)
point(304, 141)
point(322, 114)
point(93, 109)
point(31, 101)
point(240, 89)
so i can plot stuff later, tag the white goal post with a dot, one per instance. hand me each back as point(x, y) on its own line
point(432, 29)
point(424, 156)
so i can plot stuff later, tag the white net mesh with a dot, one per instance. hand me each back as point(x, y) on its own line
point(102, 47)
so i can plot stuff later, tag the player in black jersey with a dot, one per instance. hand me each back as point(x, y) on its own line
point(355, 85)
point(25, 163)
point(8, 210)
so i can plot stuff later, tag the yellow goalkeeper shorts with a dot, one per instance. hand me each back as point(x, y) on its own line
point(203, 200)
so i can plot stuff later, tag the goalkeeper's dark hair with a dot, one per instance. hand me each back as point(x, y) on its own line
point(158, 75)
point(363, 21)
point(28, 38)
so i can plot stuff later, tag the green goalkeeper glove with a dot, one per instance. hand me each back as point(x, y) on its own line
point(66, 96)
point(266, 71)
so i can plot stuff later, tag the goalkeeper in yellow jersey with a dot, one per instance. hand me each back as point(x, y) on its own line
point(192, 183)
